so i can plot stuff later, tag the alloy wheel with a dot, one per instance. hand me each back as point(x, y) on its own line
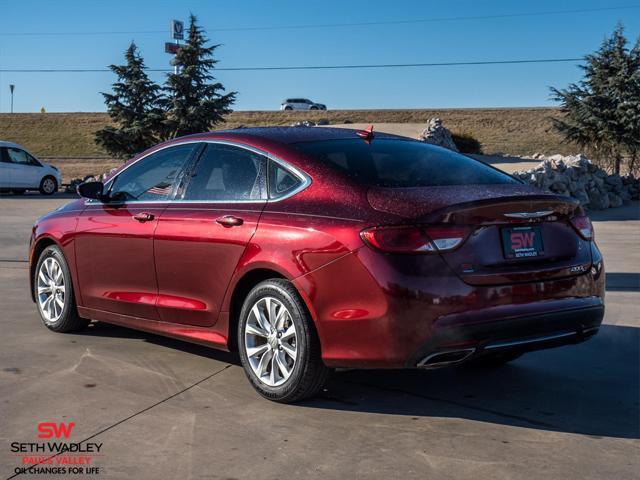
point(51, 289)
point(270, 341)
point(48, 185)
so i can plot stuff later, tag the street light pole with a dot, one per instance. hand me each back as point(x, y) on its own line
point(12, 88)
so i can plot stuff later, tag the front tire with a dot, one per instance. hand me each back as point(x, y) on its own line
point(48, 185)
point(53, 292)
point(278, 344)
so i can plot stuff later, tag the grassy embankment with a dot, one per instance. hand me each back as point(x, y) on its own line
point(66, 139)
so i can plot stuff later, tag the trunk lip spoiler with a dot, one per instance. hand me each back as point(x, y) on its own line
point(437, 210)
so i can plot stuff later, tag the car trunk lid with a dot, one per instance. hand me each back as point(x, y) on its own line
point(517, 233)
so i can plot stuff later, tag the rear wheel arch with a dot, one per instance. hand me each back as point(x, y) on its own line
point(240, 291)
point(244, 285)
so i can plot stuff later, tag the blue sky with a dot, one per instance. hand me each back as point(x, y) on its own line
point(548, 36)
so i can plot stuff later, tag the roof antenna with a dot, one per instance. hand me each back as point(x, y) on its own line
point(366, 134)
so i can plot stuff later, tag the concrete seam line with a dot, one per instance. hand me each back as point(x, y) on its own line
point(119, 422)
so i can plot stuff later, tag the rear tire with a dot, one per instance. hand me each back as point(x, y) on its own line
point(53, 291)
point(278, 344)
point(48, 185)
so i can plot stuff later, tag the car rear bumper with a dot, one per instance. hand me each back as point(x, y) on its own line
point(384, 311)
point(513, 335)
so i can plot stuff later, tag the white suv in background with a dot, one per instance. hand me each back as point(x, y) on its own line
point(20, 171)
point(301, 104)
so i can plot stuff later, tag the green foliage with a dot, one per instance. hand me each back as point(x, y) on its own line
point(194, 102)
point(134, 107)
point(143, 113)
point(466, 143)
point(602, 112)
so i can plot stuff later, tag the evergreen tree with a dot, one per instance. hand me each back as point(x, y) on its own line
point(134, 107)
point(194, 102)
point(602, 112)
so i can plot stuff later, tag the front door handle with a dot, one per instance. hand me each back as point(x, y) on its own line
point(229, 221)
point(143, 216)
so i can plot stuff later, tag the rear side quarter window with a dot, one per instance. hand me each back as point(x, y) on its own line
point(282, 182)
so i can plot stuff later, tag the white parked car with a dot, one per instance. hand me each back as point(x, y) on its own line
point(21, 171)
point(301, 104)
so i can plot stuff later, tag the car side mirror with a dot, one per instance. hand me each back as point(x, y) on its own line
point(93, 190)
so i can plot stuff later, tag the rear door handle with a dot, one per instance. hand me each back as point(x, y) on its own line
point(229, 221)
point(143, 217)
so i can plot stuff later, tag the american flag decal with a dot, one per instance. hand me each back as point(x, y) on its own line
point(160, 190)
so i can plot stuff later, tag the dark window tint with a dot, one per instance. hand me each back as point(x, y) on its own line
point(281, 181)
point(154, 177)
point(227, 173)
point(402, 163)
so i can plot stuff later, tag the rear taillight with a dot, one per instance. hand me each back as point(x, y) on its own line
point(413, 239)
point(583, 226)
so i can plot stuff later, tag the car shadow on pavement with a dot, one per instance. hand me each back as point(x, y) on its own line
point(623, 281)
point(101, 329)
point(630, 211)
point(592, 388)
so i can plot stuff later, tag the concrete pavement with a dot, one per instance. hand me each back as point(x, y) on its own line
point(167, 409)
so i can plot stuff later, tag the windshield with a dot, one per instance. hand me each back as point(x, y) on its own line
point(402, 163)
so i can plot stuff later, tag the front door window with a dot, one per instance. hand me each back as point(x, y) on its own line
point(154, 177)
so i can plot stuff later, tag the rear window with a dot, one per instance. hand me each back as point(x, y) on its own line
point(402, 163)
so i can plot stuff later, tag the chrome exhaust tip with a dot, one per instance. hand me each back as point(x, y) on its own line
point(445, 358)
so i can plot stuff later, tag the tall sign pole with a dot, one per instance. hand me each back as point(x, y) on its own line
point(177, 33)
point(12, 87)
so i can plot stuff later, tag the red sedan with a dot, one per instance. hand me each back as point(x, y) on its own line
point(307, 249)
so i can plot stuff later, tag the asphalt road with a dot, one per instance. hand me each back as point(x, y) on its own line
point(167, 409)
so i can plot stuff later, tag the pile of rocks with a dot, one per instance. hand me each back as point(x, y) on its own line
point(437, 134)
point(304, 123)
point(576, 176)
point(310, 123)
point(73, 184)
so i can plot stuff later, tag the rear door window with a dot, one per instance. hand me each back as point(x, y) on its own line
point(227, 173)
point(402, 163)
